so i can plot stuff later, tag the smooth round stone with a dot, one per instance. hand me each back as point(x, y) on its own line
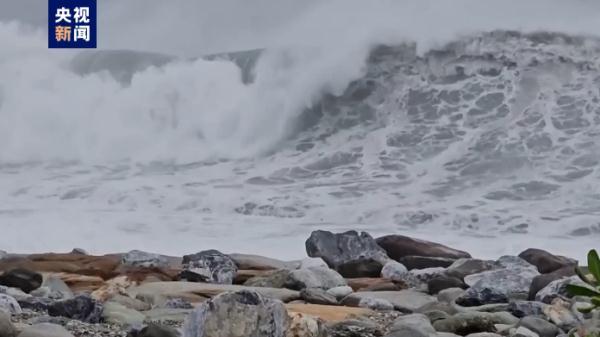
point(45, 330)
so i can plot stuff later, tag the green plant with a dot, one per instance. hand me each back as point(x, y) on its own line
point(593, 290)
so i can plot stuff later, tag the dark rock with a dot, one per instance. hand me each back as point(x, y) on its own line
point(442, 282)
point(423, 262)
point(526, 308)
point(23, 279)
point(314, 277)
point(317, 296)
point(82, 308)
point(177, 303)
point(546, 262)
point(35, 303)
point(209, 266)
point(465, 267)
point(239, 314)
point(540, 326)
point(474, 298)
point(466, 323)
point(154, 330)
point(398, 246)
point(541, 281)
point(350, 253)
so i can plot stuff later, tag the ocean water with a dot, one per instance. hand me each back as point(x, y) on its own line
point(476, 126)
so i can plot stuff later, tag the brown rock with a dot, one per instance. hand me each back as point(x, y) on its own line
point(102, 266)
point(79, 283)
point(366, 282)
point(545, 261)
point(112, 287)
point(328, 313)
point(398, 246)
point(541, 281)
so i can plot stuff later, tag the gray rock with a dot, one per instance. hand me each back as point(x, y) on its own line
point(436, 315)
point(7, 329)
point(526, 308)
point(275, 279)
point(209, 266)
point(394, 271)
point(45, 330)
point(138, 258)
point(256, 262)
point(166, 315)
point(466, 266)
point(340, 292)
point(312, 262)
point(350, 253)
point(540, 326)
point(557, 288)
point(131, 303)
point(82, 308)
point(177, 303)
point(323, 278)
point(442, 282)
point(467, 323)
point(417, 323)
point(355, 328)
point(426, 275)
point(398, 246)
point(559, 312)
point(484, 334)
point(57, 287)
point(524, 332)
point(116, 313)
point(240, 314)
point(378, 304)
point(155, 330)
point(9, 305)
point(317, 296)
point(541, 281)
point(450, 295)
point(545, 261)
point(424, 262)
point(403, 300)
point(514, 262)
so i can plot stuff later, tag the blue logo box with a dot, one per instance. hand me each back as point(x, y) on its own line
point(72, 24)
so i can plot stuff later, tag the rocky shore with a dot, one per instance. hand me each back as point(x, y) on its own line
point(351, 285)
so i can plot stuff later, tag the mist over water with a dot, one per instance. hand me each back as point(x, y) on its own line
point(441, 132)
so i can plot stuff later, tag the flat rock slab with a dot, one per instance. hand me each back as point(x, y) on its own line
point(328, 313)
point(257, 262)
point(403, 300)
point(208, 290)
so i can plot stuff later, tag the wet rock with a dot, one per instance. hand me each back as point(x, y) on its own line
point(404, 300)
point(7, 329)
point(45, 330)
point(526, 308)
point(394, 271)
point(423, 262)
point(306, 326)
point(398, 246)
point(155, 330)
point(256, 262)
point(545, 261)
point(540, 326)
point(23, 279)
point(138, 258)
point(239, 314)
point(9, 305)
point(116, 313)
point(276, 279)
point(317, 296)
point(464, 267)
point(82, 308)
point(542, 281)
point(350, 253)
point(323, 278)
point(442, 282)
point(209, 266)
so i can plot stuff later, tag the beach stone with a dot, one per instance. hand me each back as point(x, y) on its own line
point(350, 253)
point(426, 275)
point(45, 330)
point(318, 277)
point(484, 334)
point(312, 262)
point(418, 324)
point(166, 315)
point(436, 315)
point(423, 262)
point(7, 329)
point(450, 295)
point(340, 292)
point(377, 304)
point(9, 305)
point(275, 279)
point(317, 296)
point(559, 313)
point(467, 266)
point(154, 330)
point(239, 314)
point(540, 326)
point(54, 288)
point(82, 308)
point(141, 259)
point(209, 266)
point(257, 262)
point(36, 303)
point(131, 303)
point(526, 308)
point(469, 322)
point(398, 246)
point(116, 313)
point(541, 281)
point(101, 266)
point(355, 328)
point(514, 262)
point(557, 289)
point(394, 271)
point(524, 332)
point(23, 279)
point(302, 325)
point(442, 282)
point(404, 300)
point(545, 261)
point(177, 303)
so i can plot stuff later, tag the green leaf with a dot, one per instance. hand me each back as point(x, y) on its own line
point(576, 290)
point(583, 276)
point(594, 264)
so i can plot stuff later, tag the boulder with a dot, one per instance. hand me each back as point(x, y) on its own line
point(350, 253)
point(209, 266)
point(317, 296)
point(356, 328)
point(23, 279)
point(57, 288)
point(138, 258)
point(9, 305)
point(256, 262)
point(302, 325)
point(177, 303)
point(524, 332)
point(275, 279)
point(45, 330)
point(7, 329)
point(239, 314)
point(469, 322)
point(545, 261)
point(404, 300)
point(526, 308)
point(464, 267)
point(82, 308)
point(541, 281)
point(116, 313)
point(377, 304)
point(394, 271)
point(423, 262)
point(323, 278)
point(559, 312)
point(513, 262)
point(155, 330)
point(101, 266)
point(557, 289)
point(450, 295)
point(340, 292)
point(417, 324)
point(131, 303)
point(442, 282)
point(398, 246)
point(540, 326)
